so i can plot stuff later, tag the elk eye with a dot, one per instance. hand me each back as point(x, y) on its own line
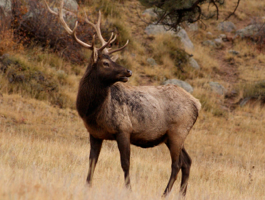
point(106, 64)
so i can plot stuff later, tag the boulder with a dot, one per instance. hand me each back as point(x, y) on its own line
point(193, 26)
point(234, 52)
point(184, 38)
point(209, 35)
point(69, 4)
point(226, 26)
point(209, 43)
point(244, 101)
point(218, 41)
point(186, 86)
point(5, 6)
point(248, 31)
point(217, 88)
point(150, 11)
point(194, 64)
point(153, 29)
point(161, 29)
point(222, 36)
point(151, 61)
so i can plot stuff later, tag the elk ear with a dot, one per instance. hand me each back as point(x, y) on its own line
point(114, 58)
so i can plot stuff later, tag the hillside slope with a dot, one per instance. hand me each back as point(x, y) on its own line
point(44, 146)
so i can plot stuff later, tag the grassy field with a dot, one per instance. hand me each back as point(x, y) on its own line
point(44, 155)
point(44, 147)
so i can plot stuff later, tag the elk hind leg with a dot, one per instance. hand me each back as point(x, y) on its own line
point(174, 145)
point(185, 162)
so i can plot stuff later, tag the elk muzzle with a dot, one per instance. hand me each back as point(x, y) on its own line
point(124, 77)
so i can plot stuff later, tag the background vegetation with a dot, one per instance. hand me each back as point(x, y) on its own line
point(44, 146)
point(173, 13)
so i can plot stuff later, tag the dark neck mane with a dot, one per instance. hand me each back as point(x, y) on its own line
point(92, 94)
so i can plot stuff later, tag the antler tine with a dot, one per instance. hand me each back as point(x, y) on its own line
point(119, 49)
point(79, 41)
point(97, 28)
point(107, 43)
point(115, 36)
point(50, 10)
point(66, 27)
point(99, 31)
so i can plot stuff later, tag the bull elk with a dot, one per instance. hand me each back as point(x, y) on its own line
point(145, 116)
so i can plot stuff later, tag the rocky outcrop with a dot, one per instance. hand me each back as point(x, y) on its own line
point(193, 63)
point(160, 29)
point(184, 38)
point(226, 26)
point(150, 12)
point(186, 86)
point(151, 61)
point(249, 31)
point(234, 52)
point(217, 88)
point(69, 4)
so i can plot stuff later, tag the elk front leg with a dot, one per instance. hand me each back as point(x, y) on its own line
point(95, 145)
point(123, 141)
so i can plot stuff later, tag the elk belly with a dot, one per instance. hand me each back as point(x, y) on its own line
point(148, 142)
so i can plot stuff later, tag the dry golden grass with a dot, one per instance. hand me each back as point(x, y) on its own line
point(205, 56)
point(44, 155)
point(250, 61)
point(252, 8)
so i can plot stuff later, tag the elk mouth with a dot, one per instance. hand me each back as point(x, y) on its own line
point(125, 78)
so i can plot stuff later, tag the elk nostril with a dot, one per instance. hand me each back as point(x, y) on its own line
point(129, 71)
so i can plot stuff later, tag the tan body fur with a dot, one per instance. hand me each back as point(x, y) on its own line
point(146, 113)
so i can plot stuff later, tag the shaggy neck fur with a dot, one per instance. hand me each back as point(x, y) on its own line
point(92, 94)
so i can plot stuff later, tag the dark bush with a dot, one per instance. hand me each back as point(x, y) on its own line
point(261, 36)
point(33, 24)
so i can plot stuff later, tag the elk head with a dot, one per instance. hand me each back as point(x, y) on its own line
point(109, 72)
point(101, 63)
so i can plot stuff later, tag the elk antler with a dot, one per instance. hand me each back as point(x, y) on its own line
point(66, 27)
point(119, 49)
point(95, 26)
